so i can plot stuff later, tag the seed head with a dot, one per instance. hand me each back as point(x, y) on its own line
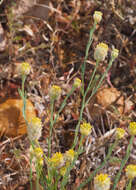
point(100, 52)
point(34, 129)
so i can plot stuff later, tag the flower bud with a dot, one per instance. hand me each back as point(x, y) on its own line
point(69, 155)
point(97, 16)
point(131, 171)
point(24, 68)
point(132, 128)
point(77, 83)
point(85, 129)
point(55, 92)
point(120, 133)
point(114, 53)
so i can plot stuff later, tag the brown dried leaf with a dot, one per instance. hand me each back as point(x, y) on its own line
point(12, 122)
point(108, 96)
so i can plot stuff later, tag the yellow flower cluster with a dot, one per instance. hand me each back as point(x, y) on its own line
point(70, 154)
point(102, 182)
point(62, 162)
point(24, 68)
point(131, 171)
point(77, 83)
point(85, 129)
point(100, 52)
point(56, 160)
point(34, 129)
point(37, 154)
point(64, 168)
point(120, 133)
point(55, 92)
point(97, 16)
point(132, 128)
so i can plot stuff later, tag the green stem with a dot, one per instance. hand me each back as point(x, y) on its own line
point(31, 175)
point(100, 167)
point(92, 77)
point(83, 106)
point(78, 124)
point(123, 163)
point(51, 128)
point(65, 178)
point(129, 185)
point(86, 53)
point(63, 104)
point(52, 122)
point(101, 80)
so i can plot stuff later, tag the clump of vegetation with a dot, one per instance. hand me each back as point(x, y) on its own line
point(59, 165)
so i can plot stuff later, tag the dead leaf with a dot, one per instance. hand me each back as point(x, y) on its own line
point(108, 96)
point(12, 122)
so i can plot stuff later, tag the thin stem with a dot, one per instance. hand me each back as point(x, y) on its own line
point(65, 178)
point(100, 167)
point(123, 163)
point(52, 122)
point(129, 185)
point(63, 104)
point(51, 128)
point(78, 124)
point(86, 54)
point(31, 174)
point(92, 77)
point(101, 80)
point(83, 106)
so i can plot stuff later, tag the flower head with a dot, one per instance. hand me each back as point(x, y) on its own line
point(114, 53)
point(55, 92)
point(132, 128)
point(37, 154)
point(85, 129)
point(120, 133)
point(100, 52)
point(97, 16)
point(24, 68)
point(102, 182)
point(64, 168)
point(34, 129)
point(131, 171)
point(56, 160)
point(69, 155)
point(77, 83)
